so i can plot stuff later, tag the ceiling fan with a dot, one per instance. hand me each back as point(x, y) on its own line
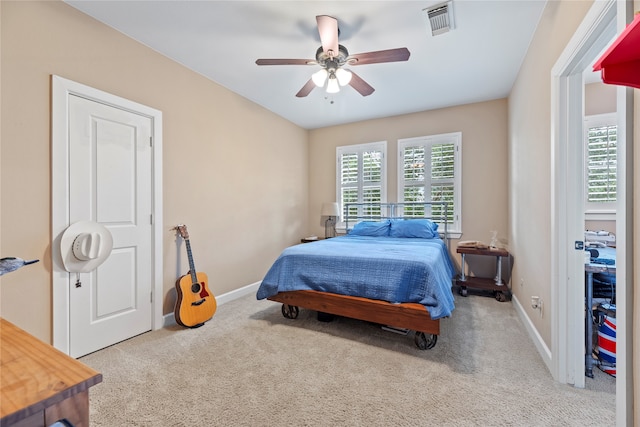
point(332, 56)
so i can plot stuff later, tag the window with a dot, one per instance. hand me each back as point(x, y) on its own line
point(601, 165)
point(361, 171)
point(429, 170)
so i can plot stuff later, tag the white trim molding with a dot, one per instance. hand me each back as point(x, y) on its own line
point(538, 341)
point(593, 36)
point(61, 90)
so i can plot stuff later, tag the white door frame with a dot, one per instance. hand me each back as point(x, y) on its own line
point(602, 22)
point(61, 90)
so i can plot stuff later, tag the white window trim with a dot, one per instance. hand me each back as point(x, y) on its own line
point(454, 230)
point(360, 148)
point(597, 211)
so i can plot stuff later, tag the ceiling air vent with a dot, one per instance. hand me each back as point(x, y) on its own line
point(440, 18)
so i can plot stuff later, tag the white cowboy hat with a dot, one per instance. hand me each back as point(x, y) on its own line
point(84, 246)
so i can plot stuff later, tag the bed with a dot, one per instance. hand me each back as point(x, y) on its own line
point(392, 268)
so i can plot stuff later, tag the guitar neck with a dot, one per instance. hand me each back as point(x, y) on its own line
point(192, 267)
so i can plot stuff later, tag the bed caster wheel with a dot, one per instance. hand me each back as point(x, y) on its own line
point(501, 297)
point(424, 341)
point(463, 291)
point(290, 311)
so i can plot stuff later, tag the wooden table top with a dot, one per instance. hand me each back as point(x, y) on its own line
point(35, 375)
point(483, 251)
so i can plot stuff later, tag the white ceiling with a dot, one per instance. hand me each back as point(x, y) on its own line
point(477, 61)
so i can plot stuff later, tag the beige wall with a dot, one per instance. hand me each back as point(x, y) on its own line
point(530, 158)
point(599, 98)
point(239, 215)
point(530, 166)
point(239, 222)
point(601, 225)
point(484, 158)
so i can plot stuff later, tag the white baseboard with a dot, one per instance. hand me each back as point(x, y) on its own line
point(169, 319)
point(238, 293)
point(541, 346)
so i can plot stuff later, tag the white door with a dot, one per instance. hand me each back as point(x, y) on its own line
point(110, 182)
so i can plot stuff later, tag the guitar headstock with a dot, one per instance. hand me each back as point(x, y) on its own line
point(182, 230)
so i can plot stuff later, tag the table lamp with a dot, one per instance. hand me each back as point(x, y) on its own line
point(331, 210)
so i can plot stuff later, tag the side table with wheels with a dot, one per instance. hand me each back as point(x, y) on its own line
point(496, 284)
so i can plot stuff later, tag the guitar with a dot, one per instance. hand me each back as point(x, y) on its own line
point(196, 304)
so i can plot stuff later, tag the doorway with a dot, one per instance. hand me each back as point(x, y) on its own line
point(592, 37)
point(106, 167)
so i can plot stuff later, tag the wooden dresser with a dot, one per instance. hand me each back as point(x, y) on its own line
point(39, 384)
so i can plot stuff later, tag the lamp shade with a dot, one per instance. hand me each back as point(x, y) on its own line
point(330, 209)
point(319, 77)
point(332, 85)
point(343, 76)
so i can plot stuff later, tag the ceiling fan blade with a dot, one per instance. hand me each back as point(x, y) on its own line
point(360, 85)
point(328, 29)
point(306, 89)
point(285, 62)
point(389, 55)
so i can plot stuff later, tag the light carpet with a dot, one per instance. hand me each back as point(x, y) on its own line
point(250, 366)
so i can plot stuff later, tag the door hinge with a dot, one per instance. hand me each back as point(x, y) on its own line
point(150, 141)
point(151, 219)
point(151, 299)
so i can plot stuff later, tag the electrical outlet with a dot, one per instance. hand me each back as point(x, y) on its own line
point(522, 282)
point(535, 303)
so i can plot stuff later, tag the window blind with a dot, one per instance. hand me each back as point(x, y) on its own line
point(436, 175)
point(602, 163)
point(428, 171)
point(361, 169)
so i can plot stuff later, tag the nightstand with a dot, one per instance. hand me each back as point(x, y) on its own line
point(500, 289)
point(310, 240)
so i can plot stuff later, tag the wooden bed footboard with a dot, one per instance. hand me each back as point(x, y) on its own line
point(406, 315)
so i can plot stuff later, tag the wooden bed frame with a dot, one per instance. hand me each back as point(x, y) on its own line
point(410, 316)
point(406, 315)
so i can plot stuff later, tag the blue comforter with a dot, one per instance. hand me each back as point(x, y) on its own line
point(391, 269)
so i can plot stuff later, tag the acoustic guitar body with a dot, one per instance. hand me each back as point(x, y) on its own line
point(196, 304)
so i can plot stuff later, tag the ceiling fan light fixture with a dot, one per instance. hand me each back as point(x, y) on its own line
point(333, 86)
point(319, 77)
point(343, 76)
point(332, 56)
